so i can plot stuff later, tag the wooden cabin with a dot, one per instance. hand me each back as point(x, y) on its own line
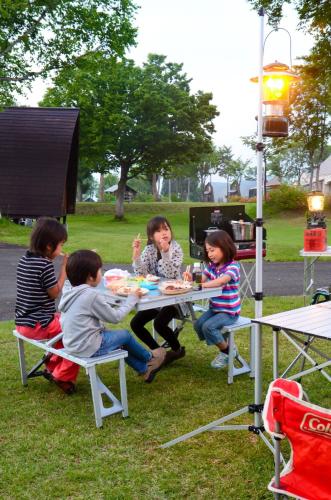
point(38, 161)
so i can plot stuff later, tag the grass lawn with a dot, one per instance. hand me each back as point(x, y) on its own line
point(52, 449)
point(94, 226)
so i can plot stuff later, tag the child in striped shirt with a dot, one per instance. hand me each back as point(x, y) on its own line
point(221, 271)
point(37, 289)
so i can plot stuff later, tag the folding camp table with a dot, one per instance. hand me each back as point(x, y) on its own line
point(301, 327)
point(309, 270)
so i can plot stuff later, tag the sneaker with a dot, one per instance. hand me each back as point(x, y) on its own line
point(222, 359)
point(173, 355)
point(155, 364)
point(47, 375)
point(66, 386)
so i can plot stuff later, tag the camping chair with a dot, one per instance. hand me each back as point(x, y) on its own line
point(308, 429)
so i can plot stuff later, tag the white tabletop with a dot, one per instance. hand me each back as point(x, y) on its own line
point(311, 320)
point(155, 299)
point(327, 253)
point(152, 301)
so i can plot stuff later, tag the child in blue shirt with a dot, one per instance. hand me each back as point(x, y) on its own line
point(221, 271)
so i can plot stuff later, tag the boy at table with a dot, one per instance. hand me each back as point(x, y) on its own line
point(83, 310)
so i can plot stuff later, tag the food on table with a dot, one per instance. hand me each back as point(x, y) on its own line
point(114, 285)
point(126, 290)
point(175, 286)
point(152, 277)
point(116, 274)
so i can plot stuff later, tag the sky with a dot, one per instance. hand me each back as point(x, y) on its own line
point(218, 43)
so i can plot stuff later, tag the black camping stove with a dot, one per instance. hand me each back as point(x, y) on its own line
point(230, 218)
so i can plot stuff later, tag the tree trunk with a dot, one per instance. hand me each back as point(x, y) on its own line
point(311, 179)
point(155, 192)
point(317, 177)
point(79, 196)
point(102, 188)
point(188, 189)
point(119, 207)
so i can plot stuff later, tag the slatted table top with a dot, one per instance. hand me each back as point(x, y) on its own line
point(311, 320)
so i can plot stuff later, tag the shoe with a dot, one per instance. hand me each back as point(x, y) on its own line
point(222, 359)
point(66, 386)
point(47, 375)
point(155, 364)
point(159, 353)
point(173, 355)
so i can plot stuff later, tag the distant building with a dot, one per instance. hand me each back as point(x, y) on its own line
point(88, 199)
point(220, 191)
point(129, 194)
point(271, 185)
point(324, 182)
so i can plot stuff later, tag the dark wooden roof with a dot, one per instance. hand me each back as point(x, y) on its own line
point(38, 161)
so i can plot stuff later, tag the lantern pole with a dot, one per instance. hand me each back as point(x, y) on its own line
point(258, 296)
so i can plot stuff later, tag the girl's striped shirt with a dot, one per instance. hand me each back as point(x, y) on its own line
point(229, 301)
point(35, 275)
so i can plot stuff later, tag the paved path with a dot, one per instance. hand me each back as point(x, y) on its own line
point(280, 278)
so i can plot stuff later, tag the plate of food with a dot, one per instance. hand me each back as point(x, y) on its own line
point(114, 284)
point(124, 291)
point(175, 287)
point(152, 278)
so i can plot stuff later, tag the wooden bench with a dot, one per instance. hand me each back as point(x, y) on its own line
point(97, 386)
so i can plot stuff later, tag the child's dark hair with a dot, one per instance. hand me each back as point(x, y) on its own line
point(82, 264)
point(222, 240)
point(47, 233)
point(154, 225)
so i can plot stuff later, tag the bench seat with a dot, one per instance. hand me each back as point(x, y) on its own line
point(98, 388)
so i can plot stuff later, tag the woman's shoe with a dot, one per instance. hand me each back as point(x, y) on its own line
point(173, 355)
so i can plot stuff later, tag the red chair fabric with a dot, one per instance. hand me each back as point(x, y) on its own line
point(307, 475)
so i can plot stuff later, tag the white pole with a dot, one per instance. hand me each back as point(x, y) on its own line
point(259, 230)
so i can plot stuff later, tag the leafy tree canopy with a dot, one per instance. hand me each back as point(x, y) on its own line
point(314, 15)
point(42, 35)
point(141, 120)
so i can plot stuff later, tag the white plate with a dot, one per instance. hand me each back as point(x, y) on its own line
point(152, 278)
point(126, 290)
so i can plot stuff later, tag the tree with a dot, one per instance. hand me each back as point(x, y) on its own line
point(137, 120)
point(314, 16)
point(235, 171)
point(37, 37)
point(310, 124)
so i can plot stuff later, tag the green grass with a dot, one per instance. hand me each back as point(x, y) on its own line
point(52, 449)
point(94, 226)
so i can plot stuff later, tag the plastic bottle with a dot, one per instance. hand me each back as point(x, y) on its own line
point(197, 273)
